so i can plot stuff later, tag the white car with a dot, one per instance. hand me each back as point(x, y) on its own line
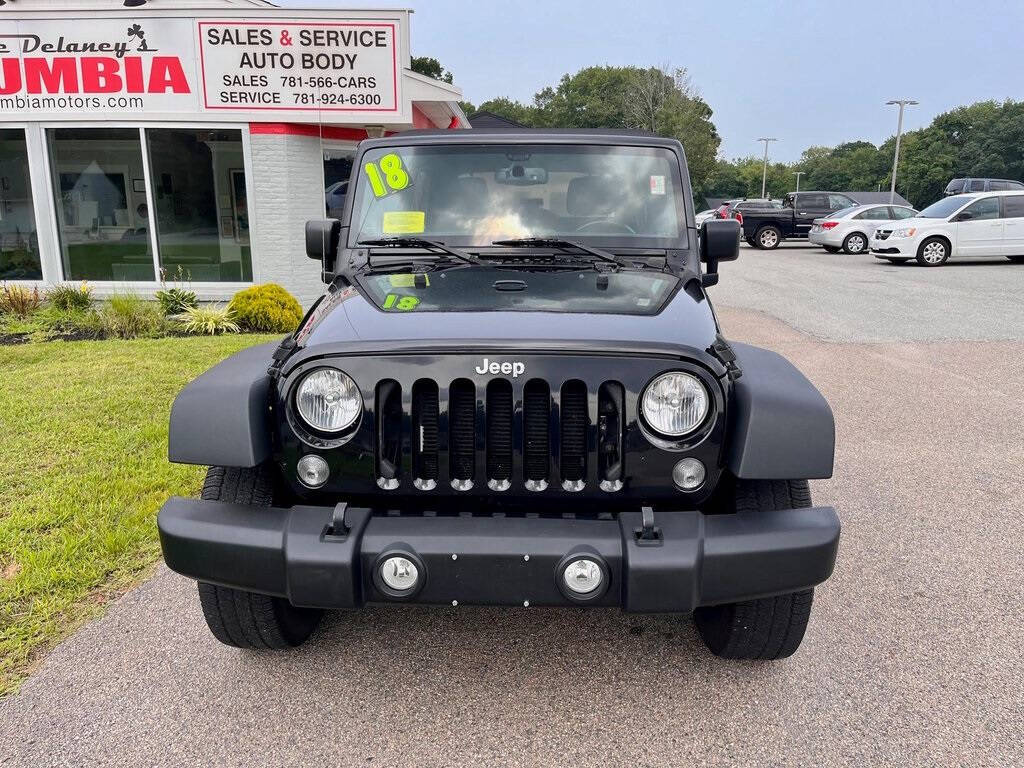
point(984, 224)
point(851, 229)
point(703, 216)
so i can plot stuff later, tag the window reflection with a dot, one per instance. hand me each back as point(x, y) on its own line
point(202, 210)
point(102, 217)
point(19, 245)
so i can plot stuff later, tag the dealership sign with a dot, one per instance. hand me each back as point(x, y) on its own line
point(220, 68)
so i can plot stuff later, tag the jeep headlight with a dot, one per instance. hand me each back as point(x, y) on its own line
point(328, 400)
point(675, 404)
point(904, 232)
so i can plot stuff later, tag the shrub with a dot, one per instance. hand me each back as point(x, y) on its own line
point(66, 296)
point(268, 308)
point(175, 301)
point(209, 320)
point(19, 300)
point(128, 317)
point(73, 324)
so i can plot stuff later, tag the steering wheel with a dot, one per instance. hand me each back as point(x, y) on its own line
point(609, 227)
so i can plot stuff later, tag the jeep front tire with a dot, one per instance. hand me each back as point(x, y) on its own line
point(770, 627)
point(248, 619)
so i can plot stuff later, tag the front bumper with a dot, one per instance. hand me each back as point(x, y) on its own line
point(696, 560)
point(904, 247)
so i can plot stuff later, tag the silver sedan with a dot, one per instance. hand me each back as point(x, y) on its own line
point(850, 229)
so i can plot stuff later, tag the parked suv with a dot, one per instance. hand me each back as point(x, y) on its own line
point(729, 208)
point(961, 186)
point(768, 228)
point(514, 392)
point(987, 224)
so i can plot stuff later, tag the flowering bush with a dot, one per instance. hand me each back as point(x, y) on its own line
point(68, 296)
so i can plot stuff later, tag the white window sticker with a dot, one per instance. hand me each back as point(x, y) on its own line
point(657, 185)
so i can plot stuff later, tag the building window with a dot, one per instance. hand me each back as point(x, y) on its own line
point(202, 210)
point(102, 213)
point(19, 246)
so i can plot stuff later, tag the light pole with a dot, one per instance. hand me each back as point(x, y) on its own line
point(798, 174)
point(899, 132)
point(764, 172)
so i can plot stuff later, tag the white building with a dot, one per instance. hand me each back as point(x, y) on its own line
point(198, 135)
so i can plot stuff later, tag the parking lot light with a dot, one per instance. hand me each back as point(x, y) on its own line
point(896, 155)
point(764, 171)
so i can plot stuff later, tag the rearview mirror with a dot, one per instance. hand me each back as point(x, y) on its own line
point(521, 175)
point(322, 238)
point(719, 241)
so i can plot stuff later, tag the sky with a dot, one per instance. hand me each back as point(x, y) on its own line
point(809, 73)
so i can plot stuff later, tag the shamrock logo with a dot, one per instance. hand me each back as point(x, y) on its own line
point(136, 31)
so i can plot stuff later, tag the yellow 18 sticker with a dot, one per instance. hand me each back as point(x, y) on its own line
point(387, 176)
point(401, 303)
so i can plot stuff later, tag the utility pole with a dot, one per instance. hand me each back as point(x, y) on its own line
point(798, 174)
point(764, 172)
point(899, 132)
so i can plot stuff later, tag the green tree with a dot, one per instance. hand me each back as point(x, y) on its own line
point(431, 67)
point(510, 110)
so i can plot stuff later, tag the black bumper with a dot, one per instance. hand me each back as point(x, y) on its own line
point(491, 560)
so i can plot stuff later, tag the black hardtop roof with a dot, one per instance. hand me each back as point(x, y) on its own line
point(607, 136)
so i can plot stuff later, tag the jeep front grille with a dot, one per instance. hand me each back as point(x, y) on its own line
point(502, 435)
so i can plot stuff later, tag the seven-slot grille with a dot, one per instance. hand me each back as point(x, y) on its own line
point(500, 435)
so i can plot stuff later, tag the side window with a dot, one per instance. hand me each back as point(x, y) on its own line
point(903, 213)
point(999, 186)
point(881, 213)
point(986, 208)
point(835, 202)
point(789, 202)
point(976, 185)
point(1013, 207)
point(812, 201)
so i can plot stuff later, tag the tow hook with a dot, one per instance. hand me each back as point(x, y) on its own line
point(648, 533)
point(338, 529)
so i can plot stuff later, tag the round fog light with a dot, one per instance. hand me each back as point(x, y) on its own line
point(399, 573)
point(313, 471)
point(688, 474)
point(582, 576)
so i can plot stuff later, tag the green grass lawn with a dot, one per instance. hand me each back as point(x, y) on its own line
point(83, 462)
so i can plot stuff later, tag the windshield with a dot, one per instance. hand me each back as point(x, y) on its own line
point(475, 194)
point(944, 208)
point(486, 288)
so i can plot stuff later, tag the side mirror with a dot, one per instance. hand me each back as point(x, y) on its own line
point(719, 241)
point(322, 238)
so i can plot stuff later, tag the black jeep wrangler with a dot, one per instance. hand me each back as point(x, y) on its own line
point(513, 392)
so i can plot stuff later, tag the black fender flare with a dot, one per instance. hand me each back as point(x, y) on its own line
point(222, 418)
point(782, 427)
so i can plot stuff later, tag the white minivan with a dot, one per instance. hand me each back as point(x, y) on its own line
point(984, 224)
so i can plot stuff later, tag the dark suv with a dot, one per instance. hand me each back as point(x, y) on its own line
point(960, 186)
point(513, 392)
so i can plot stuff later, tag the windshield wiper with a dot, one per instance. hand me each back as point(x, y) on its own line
point(562, 245)
point(420, 242)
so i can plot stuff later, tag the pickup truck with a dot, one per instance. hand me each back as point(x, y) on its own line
point(768, 227)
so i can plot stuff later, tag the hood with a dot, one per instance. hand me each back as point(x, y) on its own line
point(347, 317)
point(911, 222)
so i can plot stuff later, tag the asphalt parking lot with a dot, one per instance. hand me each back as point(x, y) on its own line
point(914, 655)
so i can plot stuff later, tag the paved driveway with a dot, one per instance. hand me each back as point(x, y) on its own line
point(915, 653)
